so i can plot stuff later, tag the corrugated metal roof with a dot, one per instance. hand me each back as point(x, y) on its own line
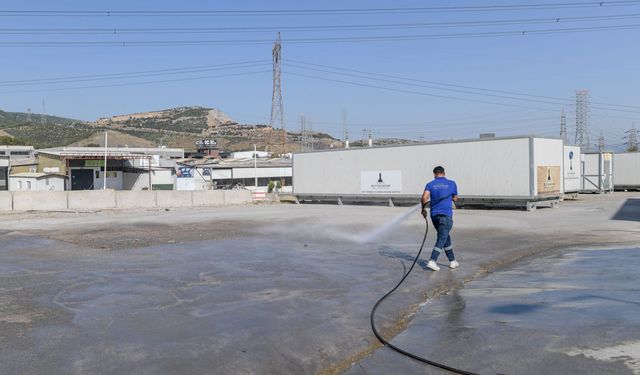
point(114, 151)
point(36, 175)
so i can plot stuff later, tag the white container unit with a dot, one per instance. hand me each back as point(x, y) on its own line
point(572, 171)
point(515, 171)
point(627, 170)
point(597, 172)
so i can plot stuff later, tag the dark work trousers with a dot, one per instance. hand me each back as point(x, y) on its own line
point(443, 225)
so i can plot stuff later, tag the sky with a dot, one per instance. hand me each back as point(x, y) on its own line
point(401, 82)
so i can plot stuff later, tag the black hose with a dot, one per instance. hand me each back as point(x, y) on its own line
point(391, 346)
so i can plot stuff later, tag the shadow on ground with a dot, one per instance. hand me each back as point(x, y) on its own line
point(629, 211)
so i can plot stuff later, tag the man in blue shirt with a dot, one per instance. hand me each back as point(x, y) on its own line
point(441, 193)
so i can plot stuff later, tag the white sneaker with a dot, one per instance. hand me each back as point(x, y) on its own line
point(433, 266)
point(454, 264)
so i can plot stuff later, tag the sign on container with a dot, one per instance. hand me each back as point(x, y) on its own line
point(380, 182)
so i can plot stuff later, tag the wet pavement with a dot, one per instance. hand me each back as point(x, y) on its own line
point(282, 289)
point(574, 313)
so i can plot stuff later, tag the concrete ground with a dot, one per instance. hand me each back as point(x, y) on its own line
point(288, 289)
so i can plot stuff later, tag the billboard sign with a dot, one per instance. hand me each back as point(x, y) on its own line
point(206, 143)
point(184, 172)
point(381, 182)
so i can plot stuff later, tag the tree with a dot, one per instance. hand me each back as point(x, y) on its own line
point(5, 140)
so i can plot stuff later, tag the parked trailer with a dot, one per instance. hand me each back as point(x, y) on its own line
point(572, 172)
point(521, 171)
point(597, 172)
point(627, 170)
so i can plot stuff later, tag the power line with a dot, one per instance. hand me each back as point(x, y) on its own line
point(413, 79)
point(410, 91)
point(412, 82)
point(309, 12)
point(349, 39)
point(128, 75)
point(312, 28)
point(142, 82)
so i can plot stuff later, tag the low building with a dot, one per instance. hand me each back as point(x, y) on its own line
point(85, 166)
point(30, 181)
point(25, 165)
point(209, 174)
point(17, 152)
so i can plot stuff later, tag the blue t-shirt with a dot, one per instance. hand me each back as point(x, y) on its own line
point(442, 191)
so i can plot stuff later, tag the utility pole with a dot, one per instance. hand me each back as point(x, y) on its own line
point(303, 134)
point(563, 127)
point(255, 166)
point(345, 131)
point(370, 138)
point(346, 139)
point(310, 134)
point(632, 139)
point(277, 106)
point(104, 175)
point(582, 120)
point(43, 116)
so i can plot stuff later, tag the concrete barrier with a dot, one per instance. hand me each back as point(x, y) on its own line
point(237, 197)
point(172, 198)
point(39, 200)
point(91, 199)
point(6, 201)
point(135, 199)
point(208, 198)
point(107, 199)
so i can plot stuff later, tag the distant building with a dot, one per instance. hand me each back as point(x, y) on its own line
point(17, 152)
point(234, 173)
point(127, 168)
point(37, 182)
point(24, 165)
point(249, 154)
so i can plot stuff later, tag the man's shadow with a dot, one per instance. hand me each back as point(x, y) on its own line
point(397, 254)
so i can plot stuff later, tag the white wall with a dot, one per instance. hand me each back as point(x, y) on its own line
point(113, 182)
point(627, 169)
point(140, 181)
point(572, 169)
point(496, 167)
point(262, 172)
point(51, 183)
